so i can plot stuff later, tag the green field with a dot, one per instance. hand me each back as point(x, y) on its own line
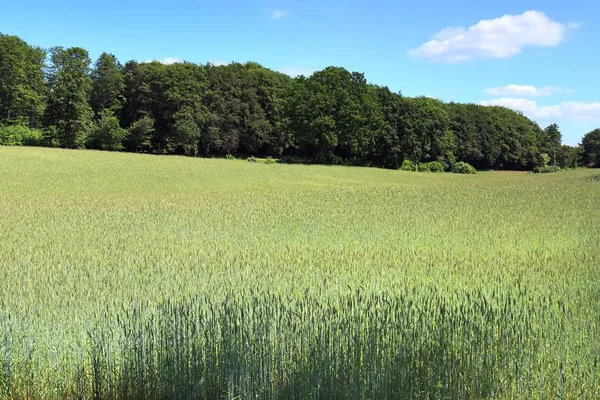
point(137, 276)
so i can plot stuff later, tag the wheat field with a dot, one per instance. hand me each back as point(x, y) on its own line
point(127, 276)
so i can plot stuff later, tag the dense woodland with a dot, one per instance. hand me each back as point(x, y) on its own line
point(59, 98)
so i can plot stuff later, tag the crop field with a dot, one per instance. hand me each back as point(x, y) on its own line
point(127, 276)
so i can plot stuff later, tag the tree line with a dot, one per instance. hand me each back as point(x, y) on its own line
point(58, 98)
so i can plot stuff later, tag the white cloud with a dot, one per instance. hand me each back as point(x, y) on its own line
point(525, 90)
point(494, 38)
point(582, 111)
point(168, 60)
point(571, 110)
point(296, 71)
point(218, 63)
point(278, 14)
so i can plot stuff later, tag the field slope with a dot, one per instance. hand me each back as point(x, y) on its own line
point(136, 276)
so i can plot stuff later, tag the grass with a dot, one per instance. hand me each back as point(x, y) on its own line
point(135, 276)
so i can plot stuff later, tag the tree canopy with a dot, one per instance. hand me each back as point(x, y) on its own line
point(332, 116)
point(591, 148)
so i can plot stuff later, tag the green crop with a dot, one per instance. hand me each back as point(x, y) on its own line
point(133, 276)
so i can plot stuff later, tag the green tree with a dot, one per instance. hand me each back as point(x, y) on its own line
point(108, 134)
point(591, 148)
point(166, 94)
point(69, 90)
point(186, 134)
point(245, 110)
point(467, 122)
point(512, 139)
point(22, 87)
point(334, 114)
point(145, 85)
point(139, 134)
point(108, 84)
point(494, 137)
point(388, 147)
point(552, 142)
point(424, 131)
point(567, 156)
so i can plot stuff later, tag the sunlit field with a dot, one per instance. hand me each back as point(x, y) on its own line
point(138, 276)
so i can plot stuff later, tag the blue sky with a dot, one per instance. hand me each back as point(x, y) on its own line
point(536, 56)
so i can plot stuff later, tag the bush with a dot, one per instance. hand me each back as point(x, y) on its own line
point(270, 160)
point(9, 136)
point(252, 159)
point(463, 168)
point(546, 169)
point(433, 166)
point(139, 134)
point(107, 135)
point(543, 160)
point(17, 135)
point(229, 157)
point(33, 137)
point(408, 165)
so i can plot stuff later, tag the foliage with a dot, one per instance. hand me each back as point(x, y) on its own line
point(544, 169)
point(22, 89)
point(108, 134)
point(138, 137)
point(424, 131)
point(186, 134)
point(494, 137)
point(32, 137)
point(50, 136)
point(270, 160)
point(108, 84)
point(229, 157)
point(591, 148)
point(408, 165)
point(184, 277)
point(245, 110)
point(543, 160)
point(11, 135)
point(68, 106)
point(550, 142)
point(462, 167)
point(332, 117)
point(568, 156)
point(16, 135)
point(432, 166)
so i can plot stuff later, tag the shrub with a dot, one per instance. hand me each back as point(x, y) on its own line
point(270, 160)
point(32, 137)
point(543, 160)
point(10, 136)
point(17, 135)
point(139, 134)
point(463, 168)
point(432, 166)
point(546, 169)
point(229, 157)
point(408, 165)
point(107, 135)
point(252, 159)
